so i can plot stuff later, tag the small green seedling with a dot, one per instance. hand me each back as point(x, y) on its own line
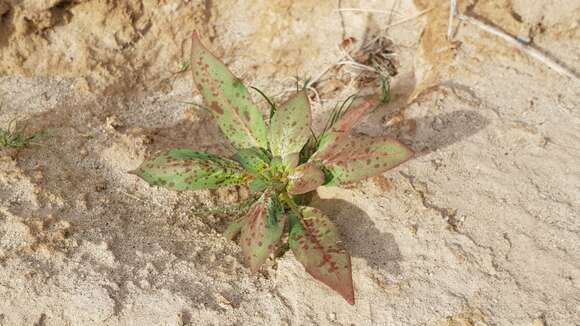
point(280, 163)
point(15, 138)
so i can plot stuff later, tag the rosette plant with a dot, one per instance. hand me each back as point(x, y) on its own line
point(281, 163)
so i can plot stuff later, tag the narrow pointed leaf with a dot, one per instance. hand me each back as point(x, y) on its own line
point(228, 99)
point(262, 231)
point(305, 178)
point(344, 125)
point(315, 244)
point(290, 126)
point(184, 169)
point(254, 160)
point(357, 157)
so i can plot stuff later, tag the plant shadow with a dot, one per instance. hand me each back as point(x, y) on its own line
point(203, 135)
point(431, 133)
point(360, 236)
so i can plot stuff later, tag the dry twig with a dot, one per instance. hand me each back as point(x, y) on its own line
point(374, 11)
point(408, 19)
point(528, 49)
point(452, 14)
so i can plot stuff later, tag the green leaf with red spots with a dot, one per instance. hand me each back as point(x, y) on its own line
point(290, 126)
point(342, 127)
point(254, 160)
point(262, 230)
point(258, 185)
point(314, 241)
point(357, 157)
point(305, 178)
point(228, 99)
point(184, 169)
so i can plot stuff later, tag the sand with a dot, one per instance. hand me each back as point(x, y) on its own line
point(480, 228)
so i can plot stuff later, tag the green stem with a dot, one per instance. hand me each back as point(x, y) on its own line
point(293, 219)
point(290, 202)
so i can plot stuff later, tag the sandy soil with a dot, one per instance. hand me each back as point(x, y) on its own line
point(481, 228)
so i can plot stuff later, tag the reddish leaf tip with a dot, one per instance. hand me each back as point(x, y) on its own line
point(348, 294)
point(350, 300)
point(346, 290)
point(352, 116)
point(409, 150)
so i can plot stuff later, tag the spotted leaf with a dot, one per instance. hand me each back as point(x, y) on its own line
point(258, 185)
point(254, 160)
point(344, 125)
point(262, 230)
point(290, 126)
point(313, 239)
point(228, 99)
point(305, 178)
point(357, 157)
point(184, 169)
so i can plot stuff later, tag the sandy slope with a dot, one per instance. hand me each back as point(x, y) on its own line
point(481, 228)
